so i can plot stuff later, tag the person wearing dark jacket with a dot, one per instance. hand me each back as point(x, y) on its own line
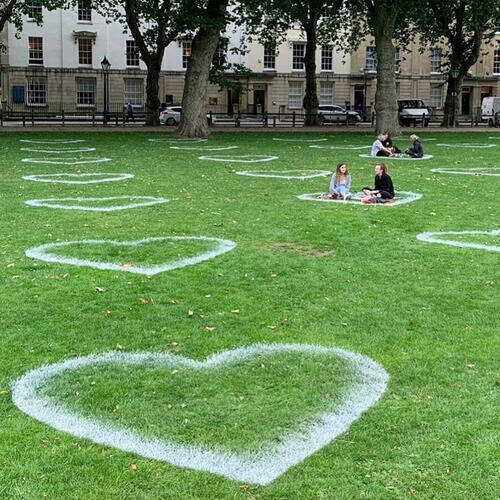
point(417, 151)
point(384, 189)
point(387, 143)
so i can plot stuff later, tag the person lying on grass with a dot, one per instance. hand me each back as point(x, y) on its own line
point(417, 151)
point(383, 191)
point(340, 183)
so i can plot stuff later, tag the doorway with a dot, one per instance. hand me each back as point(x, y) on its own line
point(259, 101)
point(359, 98)
point(466, 100)
point(233, 102)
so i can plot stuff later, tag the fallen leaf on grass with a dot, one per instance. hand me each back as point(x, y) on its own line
point(144, 301)
point(10, 265)
point(127, 266)
point(271, 327)
point(99, 289)
point(133, 467)
point(210, 328)
point(190, 314)
point(235, 311)
point(119, 347)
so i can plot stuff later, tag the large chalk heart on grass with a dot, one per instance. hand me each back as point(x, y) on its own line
point(111, 203)
point(369, 381)
point(451, 238)
point(47, 254)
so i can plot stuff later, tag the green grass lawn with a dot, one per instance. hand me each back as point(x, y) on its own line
point(331, 274)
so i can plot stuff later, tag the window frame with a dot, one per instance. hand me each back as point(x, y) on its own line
point(32, 92)
point(295, 57)
point(322, 85)
point(132, 54)
point(32, 50)
point(496, 59)
point(298, 95)
point(372, 67)
point(436, 55)
point(327, 57)
point(92, 92)
point(187, 48)
point(84, 11)
point(127, 97)
point(269, 59)
point(84, 56)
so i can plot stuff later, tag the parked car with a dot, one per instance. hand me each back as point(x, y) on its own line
point(413, 111)
point(331, 113)
point(172, 116)
point(490, 111)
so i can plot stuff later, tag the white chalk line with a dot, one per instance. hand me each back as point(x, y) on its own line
point(57, 151)
point(240, 158)
point(285, 174)
point(404, 158)
point(53, 141)
point(494, 137)
point(143, 201)
point(401, 198)
point(73, 178)
point(437, 237)
point(43, 253)
point(298, 140)
point(347, 146)
point(257, 467)
point(204, 148)
point(478, 172)
point(177, 140)
point(65, 161)
point(466, 145)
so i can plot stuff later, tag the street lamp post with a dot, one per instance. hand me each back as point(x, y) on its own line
point(363, 70)
point(105, 65)
point(454, 93)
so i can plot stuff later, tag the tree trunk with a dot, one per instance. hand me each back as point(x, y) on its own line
point(385, 97)
point(453, 85)
point(311, 102)
point(152, 90)
point(194, 100)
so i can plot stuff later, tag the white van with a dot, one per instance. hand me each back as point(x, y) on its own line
point(490, 110)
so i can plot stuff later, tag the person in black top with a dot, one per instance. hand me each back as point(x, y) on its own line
point(384, 189)
point(387, 143)
point(417, 151)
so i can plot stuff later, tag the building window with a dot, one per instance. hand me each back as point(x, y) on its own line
point(34, 11)
point(132, 53)
point(134, 91)
point(371, 59)
point(84, 10)
point(186, 52)
point(85, 91)
point(326, 93)
point(85, 51)
point(35, 44)
point(295, 95)
point(298, 53)
point(436, 96)
point(436, 56)
point(220, 52)
point(496, 60)
point(270, 56)
point(397, 61)
point(36, 94)
point(327, 58)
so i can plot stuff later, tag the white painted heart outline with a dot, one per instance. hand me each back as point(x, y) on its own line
point(65, 161)
point(476, 171)
point(347, 146)
point(298, 140)
point(240, 158)
point(401, 158)
point(42, 252)
point(179, 140)
point(142, 201)
point(52, 141)
point(438, 237)
point(260, 467)
point(204, 148)
point(466, 145)
point(402, 197)
point(69, 178)
point(57, 151)
point(285, 174)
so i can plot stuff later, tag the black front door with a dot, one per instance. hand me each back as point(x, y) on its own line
point(359, 97)
point(465, 100)
point(259, 100)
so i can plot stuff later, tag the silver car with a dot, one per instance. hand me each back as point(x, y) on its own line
point(332, 113)
point(172, 116)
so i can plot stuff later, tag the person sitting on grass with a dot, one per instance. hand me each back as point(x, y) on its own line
point(417, 151)
point(378, 148)
point(384, 190)
point(387, 143)
point(340, 183)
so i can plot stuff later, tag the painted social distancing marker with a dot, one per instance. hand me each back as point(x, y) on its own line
point(52, 141)
point(68, 178)
point(87, 203)
point(494, 137)
point(286, 174)
point(204, 148)
point(403, 158)
point(45, 253)
point(66, 161)
point(443, 237)
point(240, 158)
point(477, 171)
point(178, 140)
point(401, 198)
point(369, 382)
point(466, 145)
point(59, 150)
point(346, 146)
point(298, 140)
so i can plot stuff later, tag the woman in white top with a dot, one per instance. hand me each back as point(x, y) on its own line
point(378, 149)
